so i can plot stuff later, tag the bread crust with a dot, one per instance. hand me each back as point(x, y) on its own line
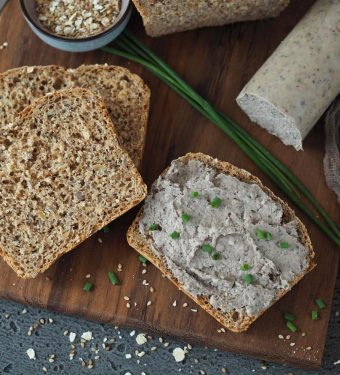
point(82, 93)
point(179, 18)
point(233, 320)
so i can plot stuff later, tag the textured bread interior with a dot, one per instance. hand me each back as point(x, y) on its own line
point(233, 320)
point(63, 176)
point(125, 95)
point(162, 17)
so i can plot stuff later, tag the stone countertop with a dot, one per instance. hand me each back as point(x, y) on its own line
point(50, 341)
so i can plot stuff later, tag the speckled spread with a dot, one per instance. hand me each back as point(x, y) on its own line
point(231, 231)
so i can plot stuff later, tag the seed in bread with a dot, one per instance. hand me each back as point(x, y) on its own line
point(63, 176)
point(162, 17)
point(125, 95)
point(235, 258)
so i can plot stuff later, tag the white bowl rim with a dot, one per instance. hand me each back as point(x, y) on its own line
point(120, 19)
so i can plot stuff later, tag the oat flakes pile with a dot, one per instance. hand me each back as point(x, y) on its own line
point(77, 18)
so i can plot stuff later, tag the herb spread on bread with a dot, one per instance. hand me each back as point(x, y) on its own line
point(236, 250)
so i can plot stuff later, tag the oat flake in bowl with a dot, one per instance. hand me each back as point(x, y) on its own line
point(77, 18)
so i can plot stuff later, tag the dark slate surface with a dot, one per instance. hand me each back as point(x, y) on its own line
point(49, 339)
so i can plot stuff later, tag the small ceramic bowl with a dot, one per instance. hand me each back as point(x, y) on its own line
point(72, 44)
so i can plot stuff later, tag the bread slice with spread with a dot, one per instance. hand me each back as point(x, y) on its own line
point(63, 176)
point(223, 238)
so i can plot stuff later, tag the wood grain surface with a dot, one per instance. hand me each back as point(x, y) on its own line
point(217, 62)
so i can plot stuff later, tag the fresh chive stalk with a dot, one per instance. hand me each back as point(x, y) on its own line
point(153, 227)
point(87, 287)
point(284, 245)
point(291, 326)
point(113, 278)
point(216, 256)
point(185, 217)
point(289, 317)
point(129, 47)
point(244, 267)
point(320, 303)
point(194, 194)
point(248, 278)
point(216, 202)
point(142, 259)
point(207, 248)
point(314, 315)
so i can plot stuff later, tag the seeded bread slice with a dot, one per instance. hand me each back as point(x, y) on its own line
point(125, 95)
point(162, 17)
point(63, 176)
point(232, 320)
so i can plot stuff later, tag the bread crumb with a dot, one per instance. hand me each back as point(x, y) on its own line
point(141, 339)
point(87, 336)
point(31, 353)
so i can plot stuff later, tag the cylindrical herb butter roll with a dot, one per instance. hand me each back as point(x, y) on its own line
point(294, 87)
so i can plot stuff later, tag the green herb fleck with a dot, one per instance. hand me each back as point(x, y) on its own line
point(263, 235)
point(113, 278)
point(314, 315)
point(260, 234)
point(175, 235)
point(248, 278)
point(87, 287)
point(216, 256)
point(185, 217)
point(269, 236)
point(207, 248)
point(194, 194)
point(216, 202)
point(284, 245)
point(291, 326)
point(245, 267)
point(289, 317)
point(106, 229)
point(320, 303)
point(154, 227)
point(142, 259)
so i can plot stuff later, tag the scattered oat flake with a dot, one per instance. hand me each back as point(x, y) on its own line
point(128, 356)
point(88, 276)
point(174, 304)
point(144, 271)
point(31, 353)
point(280, 337)
point(132, 333)
point(292, 344)
point(128, 305)
point(309, 348)
point(185, 304)
point(179, 354)
point(87, 336)
point(127, 298)
point(194, 310)
point(148, 303)
point(141, 339)
point(99, 240)
point(72, 336)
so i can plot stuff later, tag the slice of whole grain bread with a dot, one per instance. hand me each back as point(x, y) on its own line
point(162, 17)
point(232, 320)
point(63, 176)
point(125, 95)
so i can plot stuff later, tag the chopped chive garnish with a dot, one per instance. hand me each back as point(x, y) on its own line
point(175, 235)
point(289, 317)
point(268, 236)
point(216, 202)
point(314, 315)
point(284, 245)
point(87, 287)
point(106, 229)
point(216, 256)
point(245, 267)
point(248, 278)
point(291, 326)
point(260, 234)
point(185, 217)
point(154, 227)
point(113, 278)
point(142, 259)
point(320, 303)
point(263, 235)
point(207, 248)
point(194, 194)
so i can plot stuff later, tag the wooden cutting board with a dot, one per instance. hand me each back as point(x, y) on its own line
point(217, 62)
